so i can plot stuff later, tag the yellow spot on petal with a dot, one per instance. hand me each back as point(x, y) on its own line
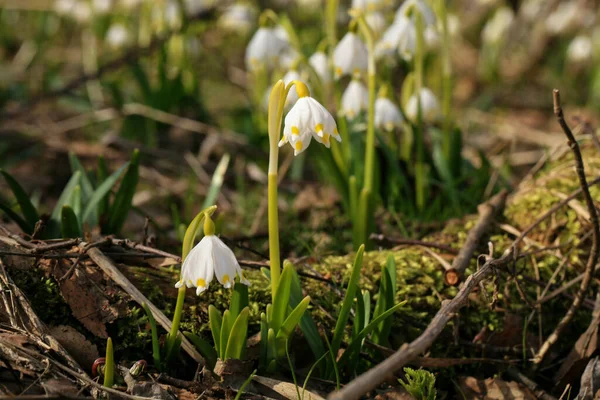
point(200, 283)
point(295, 130)
point(318, 128)
point(338, 71)
point(326, 138)
point(335, 131)
point(225, 279)
point(299, 145)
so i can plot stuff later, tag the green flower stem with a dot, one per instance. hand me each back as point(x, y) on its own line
point(418, 137)
point(331, 11)
point(446, 80)
point(274, 257)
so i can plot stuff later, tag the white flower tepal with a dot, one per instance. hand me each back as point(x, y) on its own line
point(117, 36)
point(350, 56)
point(430, 108)
point(419, 6)
point(308, 120)
point(387, 114)
point(319, 63)
point(400, 37)
point(264, 49)
point(355, 99)
point(580, 50)
point(208, 258)
point(497, 27)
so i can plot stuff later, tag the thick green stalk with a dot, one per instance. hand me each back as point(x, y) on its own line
point(274, 256)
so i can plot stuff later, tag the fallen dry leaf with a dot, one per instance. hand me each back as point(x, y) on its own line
point(493, 389)
point(76, 345)
point(285, 389)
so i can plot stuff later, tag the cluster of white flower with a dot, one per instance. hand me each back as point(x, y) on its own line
point(270, 48)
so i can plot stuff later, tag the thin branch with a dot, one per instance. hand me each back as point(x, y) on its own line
point(593, 257)
point(380, 237)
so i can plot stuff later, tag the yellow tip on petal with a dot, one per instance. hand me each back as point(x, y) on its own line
point(299, 145)
point(225, 279)
point(318, 128)
point(326, 138)
point(200, 283)
point(295, 130)
point(338, 71)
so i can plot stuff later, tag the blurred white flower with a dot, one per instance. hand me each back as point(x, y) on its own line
point(430, 108)
point(567, 17)
point(370, 5)
point(101, 6)
point(81, 12)
point(387, 114)
point(498, 26)
point(117, 36)
point(238, 18)
point(64, 7)
point(376, 22)
point(308, 120)
point(292, 97)
point(193, 7)
point(350, 56)
point(426, 11)
point(173, 16)
point(400, 37)
point(289, 57)
point(208, 258)
point(432, 38)
point(319, 63)
point(531, 9)
point(264, 49)
point(355, 99)
point(580, 50)
point(130, 4)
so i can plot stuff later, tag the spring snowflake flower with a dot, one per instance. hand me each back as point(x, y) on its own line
point(319, 63)
point(497, 27)
point(288, 78)
point(369, 5)
point(387, 114)
point(426, 12)
point(308, 120)
point(117, 36)
point(350, 56)
point(400, 37)
point(376, 22)
point(101, 7)
point(567, 17)
point(208, 258)
point(580, 50)
point(430, 108)
point(355, 99)
point(264, 49)
point(238, 18)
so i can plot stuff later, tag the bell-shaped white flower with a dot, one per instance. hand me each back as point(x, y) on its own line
point(421, 6)
point(387, 114)
point(264, 49)
point(580, 50)
point(430, 108)
point(319, 63)
point(238, 18)
point(498, 26)
point(117, 36)
point(376, 22)
point(369, 5)
point(308, 120)
point(208, 258)
point(355, 99)
point(350, 56)
point(400, 37)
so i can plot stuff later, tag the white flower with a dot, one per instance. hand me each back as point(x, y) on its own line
point(387, 114)
point(426, 11)
point(350, 56)
point(430, 108)
point(81, 12)
point(369, 5)
point(238, 18)
point(63, 7)
point(208, 258)
point(117, 36)
point(432, 38)
point(264, 49)
point(498, 26)
point(319, 63)
point(400, 37)
point(102, 6)
point(193, 7)
point(291, 76)
point(580, 50)
point(306, 120)
point(376, 22)
point(172, 14)
point(355, 99)
point(567, 17)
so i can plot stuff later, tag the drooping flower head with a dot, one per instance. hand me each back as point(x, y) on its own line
point(355, 99)
point(308, 120)
point(319, 63)
point(208, 258)
point(430, 108)
point(350, 56)
point(264, 49)
point(400, 37)
point(387, 113)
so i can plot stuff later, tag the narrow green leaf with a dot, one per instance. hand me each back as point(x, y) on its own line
point(264, 334)
point(69, 224)
point(109, 365)
point(282, 297)
point(124, 196)
point(87, 189)
point(207, 351)
point(288, 326)
point(243, 387)
point(101, 175)
point(307, 324)
point(75, 202)
point(217, 181)
point(16, 218)
point(100, 193)
point(65, 198)
point(384, 301)
point(155, 343)
point(348, 300)
point(215, 321)
point(239, 299)
point(237, 338)
point(225, 331)
point(271, 350)
point(30, 214)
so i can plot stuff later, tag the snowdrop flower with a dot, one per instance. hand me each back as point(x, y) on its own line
point(117, 36)
point(430, 108)
point(308, 120)
point(387, 114)
point(376, 22)
point(264, 49)
point(350, 56)
point(580, 50)
point(355, 99)
point(498, 26)
point(319, 63)
point(238, 18)
point(208, 258)
point(400, 37)
point(426, 11)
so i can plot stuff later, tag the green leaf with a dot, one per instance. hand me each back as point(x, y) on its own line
point(87, 189)
point(387, 294)
point(271, 350)
point(16, 218)
point(101, 175)
point(348, 300)
point(207, 351)
point(109, 365)
point(282, 297)
point(225, 331)
point(264, 333)
point(155, 343)
point(69, 225)
point(75, 202)
point(288, 326)
point(64, 199)
point(215, 321)
point(239, 299)
point(100, 193)
point(307, 324)
point(217, 181)
point(30, 214)
point(122, 204)
point(237, 338)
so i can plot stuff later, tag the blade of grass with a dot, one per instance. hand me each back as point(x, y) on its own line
point(30, 214)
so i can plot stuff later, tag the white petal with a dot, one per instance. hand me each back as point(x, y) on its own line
point(350, 55)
